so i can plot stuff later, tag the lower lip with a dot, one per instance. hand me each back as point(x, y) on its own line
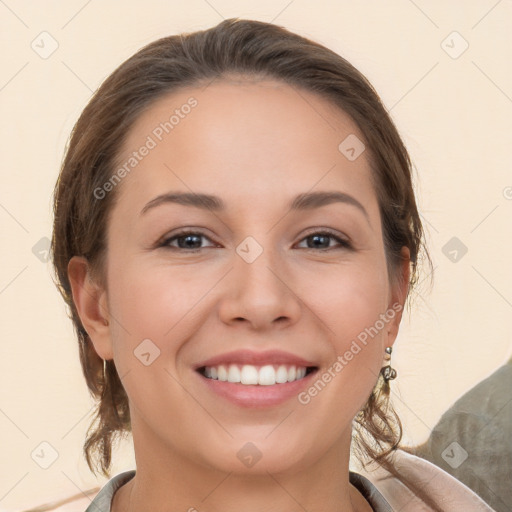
point(257, 396)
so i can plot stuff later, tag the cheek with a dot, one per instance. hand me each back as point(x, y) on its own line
point(151, 300)
point(356, 334)
point(354, 310)
point(151, 303)
point(351, 300)
point(152, 314)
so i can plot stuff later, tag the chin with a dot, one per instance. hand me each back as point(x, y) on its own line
point(260, 457)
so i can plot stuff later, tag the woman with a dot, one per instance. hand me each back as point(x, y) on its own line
point(236, 235)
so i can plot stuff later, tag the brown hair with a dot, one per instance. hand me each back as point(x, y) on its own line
point(240, 47)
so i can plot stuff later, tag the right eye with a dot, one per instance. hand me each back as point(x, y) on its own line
point(187, 240)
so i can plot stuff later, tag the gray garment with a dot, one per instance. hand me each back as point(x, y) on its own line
point(103, 499)
point(473, 440)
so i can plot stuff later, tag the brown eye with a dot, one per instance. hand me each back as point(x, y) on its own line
point(322, 240)
point(186, 240)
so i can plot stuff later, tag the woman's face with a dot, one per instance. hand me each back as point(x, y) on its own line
point(285, 269)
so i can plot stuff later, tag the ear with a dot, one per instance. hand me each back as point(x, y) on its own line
point(398, 295)
point(91, 303)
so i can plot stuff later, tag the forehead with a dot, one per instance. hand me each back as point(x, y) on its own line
point(261, 138)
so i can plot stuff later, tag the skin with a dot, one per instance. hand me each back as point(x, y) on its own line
point(256, 145)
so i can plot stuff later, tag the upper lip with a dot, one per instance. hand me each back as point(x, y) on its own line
point(255, 358)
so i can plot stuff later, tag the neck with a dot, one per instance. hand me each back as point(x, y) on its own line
point(168, 480)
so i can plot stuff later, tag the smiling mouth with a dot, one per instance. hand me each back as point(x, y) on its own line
point(252, 375)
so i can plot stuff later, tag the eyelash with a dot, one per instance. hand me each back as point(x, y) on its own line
point(343, 244)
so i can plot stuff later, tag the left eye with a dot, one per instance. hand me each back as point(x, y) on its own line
point(319, 237)
point(191, 240)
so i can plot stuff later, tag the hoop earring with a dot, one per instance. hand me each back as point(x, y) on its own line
point(388, 372)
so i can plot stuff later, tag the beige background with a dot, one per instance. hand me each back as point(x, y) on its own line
point(454, 114)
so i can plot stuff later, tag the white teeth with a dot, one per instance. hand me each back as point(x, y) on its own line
point(267, 376)
point(282, 375)
point(222, 373)
point(233, 373)
point(248, 374)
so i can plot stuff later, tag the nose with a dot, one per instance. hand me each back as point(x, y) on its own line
point(260, 294)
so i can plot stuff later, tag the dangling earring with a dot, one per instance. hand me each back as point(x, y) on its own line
point(388, 372)
point(105, 371)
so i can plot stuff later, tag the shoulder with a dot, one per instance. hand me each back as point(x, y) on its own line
point(485, 409)
point(415, 484)
point(486, 398)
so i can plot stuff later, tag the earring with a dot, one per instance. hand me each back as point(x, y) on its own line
point(104, 370)
point(388, 372)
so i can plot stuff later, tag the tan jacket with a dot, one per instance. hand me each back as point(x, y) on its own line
point(424, 478)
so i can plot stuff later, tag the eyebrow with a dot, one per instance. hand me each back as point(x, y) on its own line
point(306, 201)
